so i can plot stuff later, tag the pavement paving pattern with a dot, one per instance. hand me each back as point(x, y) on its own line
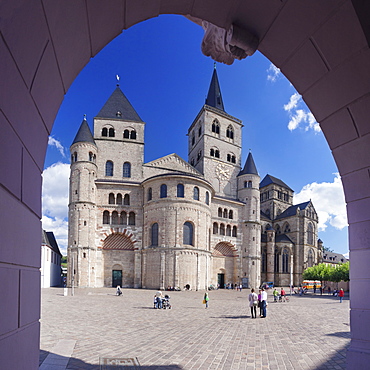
point(309, 332)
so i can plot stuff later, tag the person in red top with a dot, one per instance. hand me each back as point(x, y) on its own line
point(282, 294)
point(341, 295)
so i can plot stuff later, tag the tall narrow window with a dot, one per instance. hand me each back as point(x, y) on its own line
point(231, 214)
point(105, 217)
point(310, 258)
point(264, 261)
point(115, 218)
point(222, 229)
point(119, 199)
point(127, 169)
point(111, 199)
point(188, 233)
point(131, 218)
point(215, 228)
point(220, 212)
point(163, 191)
point(123, 218)
point(196, 193)
point(285, 261)
point(126, 134)
point(133, 135)
point(111, 132)
point(230, 132)
point(150, 194)
point(91, 157)
point(154, 235)
point(126, 200)
point(235, 232)
point(212, 152)
point(228, 230)
point(310, 234)
point(180, 191)
point(207, 197)
point(104, 131)
point(109, 168)
point(225, 213)
point(276, 261)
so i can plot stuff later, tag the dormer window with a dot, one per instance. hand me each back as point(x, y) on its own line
point(119, 114)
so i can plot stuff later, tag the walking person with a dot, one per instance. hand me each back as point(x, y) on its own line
point(341, 295)
point(253, 302)
point(260, 302)
point(264, 302)
point(206, 299)
point(282, 295)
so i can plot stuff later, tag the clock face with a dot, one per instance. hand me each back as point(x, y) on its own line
point(222, 172)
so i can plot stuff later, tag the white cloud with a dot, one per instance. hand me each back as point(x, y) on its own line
point(55, 197)
point(299, 115)
point(273, 73)
point(58, 145)
point(328, 200)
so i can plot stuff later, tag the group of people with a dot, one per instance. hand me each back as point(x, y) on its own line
point(260, 301)
point(279, 297)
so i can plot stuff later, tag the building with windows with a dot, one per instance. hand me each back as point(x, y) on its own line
point(51, 269)
point(171, 222)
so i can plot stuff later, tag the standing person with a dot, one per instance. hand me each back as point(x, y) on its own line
point(206, 299)
point(314, 289)
point(253, 301)
point(264, 302)
point(275, 293)
point(282, 293)
point(260, 302)
point(159, 297)
point(341, 295)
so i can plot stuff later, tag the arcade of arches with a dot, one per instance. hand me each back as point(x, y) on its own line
point(322, 47)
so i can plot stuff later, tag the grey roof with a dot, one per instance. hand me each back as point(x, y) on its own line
point(118, 107)
point(268, 179)
point(249, 167)
point(84, 134)
point(48, 238)
point(333, 257)
point(214, 97)
point(292, 210)
point(281, 238)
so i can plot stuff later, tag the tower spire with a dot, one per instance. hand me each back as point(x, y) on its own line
point(214, 97)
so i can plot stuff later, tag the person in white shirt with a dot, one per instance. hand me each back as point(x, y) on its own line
point(263, 302)
point(253, 301)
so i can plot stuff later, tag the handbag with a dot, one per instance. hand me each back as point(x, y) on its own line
point(204, 301)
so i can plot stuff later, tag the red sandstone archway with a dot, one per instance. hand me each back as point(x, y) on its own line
point(321, 46)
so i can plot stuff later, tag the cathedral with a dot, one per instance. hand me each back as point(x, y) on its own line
point(208, 221)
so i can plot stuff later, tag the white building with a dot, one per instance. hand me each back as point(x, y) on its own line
point(50, 261)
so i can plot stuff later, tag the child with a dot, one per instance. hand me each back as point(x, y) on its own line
point(206, 299)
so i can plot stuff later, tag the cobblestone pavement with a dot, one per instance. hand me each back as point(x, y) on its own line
point(309, 332)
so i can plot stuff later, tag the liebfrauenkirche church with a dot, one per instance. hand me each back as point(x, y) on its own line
point(208, 220)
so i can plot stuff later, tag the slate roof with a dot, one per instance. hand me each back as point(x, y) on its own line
point(48, 238)
point(118, 107)
point(249, 167)
point(332, 257)
point(268, 179)
point(214, 97)
point(281, 238)
point(84, 134)
point(292, 210)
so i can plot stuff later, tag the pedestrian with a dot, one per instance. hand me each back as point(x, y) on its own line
point(264, 302)
point(206, 299)
point(118, 291)
point(260, 301)
point(341, 295)
point(314, 289)
point(240, 287)
point(253, 302)
point(275, 293)
point(329, 290)
point(158, 298)
point(282, 294)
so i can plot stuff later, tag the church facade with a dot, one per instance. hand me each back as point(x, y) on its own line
point(174, 223)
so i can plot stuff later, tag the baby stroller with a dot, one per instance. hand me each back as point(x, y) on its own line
point(166, 302)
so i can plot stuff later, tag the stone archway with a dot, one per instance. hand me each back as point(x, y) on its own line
point(322, 47)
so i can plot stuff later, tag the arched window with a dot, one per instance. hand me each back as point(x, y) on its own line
point(180, 190)
point(163, 191)
point(74, 157)
point(150, 194)
point(212, 152)
point(126, 134)
point(285, 261)
point(91, 157)
point(310, 258)
point(276, 261)
point(215, 228)
point(231, 214)
point(115, 218)
point(188, 233)
point(235, 232)
point(228, 230)
point(126, 200)
point(228, 157)
point(200, 131)
point(154, 235)
point(222, 229)
point(119, 199)
point(207, 197)
point(277, 230)
point(233, 159)
point(193, 139)
point(106, 217)
point(127, 169)
point(104, 131)
point(230, 132)
point(249, 184)
point(111, 132)
point(196, 193)
point(286, 228)
point(131, 218)
point(217, 153)
point(310, 234)
point(264, 261)
point(123, 218)
point(220, 212)
point(245, 184)
point(215, 127)
point(111, 199)
point(225, 213)
point(109, 168)
point(133, 135)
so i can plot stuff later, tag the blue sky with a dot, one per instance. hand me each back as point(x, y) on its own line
point(165, 76)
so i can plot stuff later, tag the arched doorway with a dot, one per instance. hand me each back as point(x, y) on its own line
point(223, 271)
point(322, 48)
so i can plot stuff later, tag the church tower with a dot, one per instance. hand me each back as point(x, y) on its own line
point(214, 143)
point(249, 194)
point(82, 209)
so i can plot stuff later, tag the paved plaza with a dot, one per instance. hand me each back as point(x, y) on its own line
point(95, 326)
